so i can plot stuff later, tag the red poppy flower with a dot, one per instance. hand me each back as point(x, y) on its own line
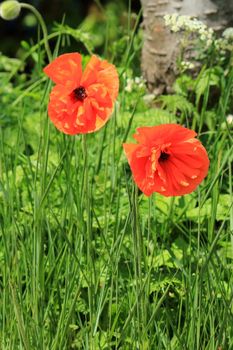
point(167, 159)
point(81, 102)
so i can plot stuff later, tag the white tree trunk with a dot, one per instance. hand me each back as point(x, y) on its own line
point(160, 46)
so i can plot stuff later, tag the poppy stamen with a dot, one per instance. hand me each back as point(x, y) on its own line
point(163, 156)
point(80, 93)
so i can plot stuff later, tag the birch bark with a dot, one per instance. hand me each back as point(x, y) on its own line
point(161, 47)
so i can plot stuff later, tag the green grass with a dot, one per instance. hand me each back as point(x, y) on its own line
point(88, 262)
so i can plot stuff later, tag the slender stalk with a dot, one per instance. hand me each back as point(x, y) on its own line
point(19, 317)
point(89, 251)
point(138, 254)
point(43, 27)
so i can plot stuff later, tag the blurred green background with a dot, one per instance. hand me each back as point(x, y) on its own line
point(91, 15)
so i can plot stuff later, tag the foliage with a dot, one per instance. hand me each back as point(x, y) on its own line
point(88, 262)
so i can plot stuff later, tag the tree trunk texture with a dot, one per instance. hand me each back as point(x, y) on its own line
point(161, 47)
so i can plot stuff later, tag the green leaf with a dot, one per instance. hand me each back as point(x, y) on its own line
point(207, 78)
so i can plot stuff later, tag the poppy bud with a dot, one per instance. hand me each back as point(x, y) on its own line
point(10, 9)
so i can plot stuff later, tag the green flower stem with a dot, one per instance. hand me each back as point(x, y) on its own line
point(88, 235)
point(138, 262)
point(43, 27)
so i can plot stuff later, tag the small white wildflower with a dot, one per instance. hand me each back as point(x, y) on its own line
point(210, 35)
point(124, 75)
point(167, 19)
point(228, 34)
point(208, 43)
point(203, 37)
point(141, 85)
point(140, 81)
point(148, 98)
point(186, 65)
point(230, 119)
point(211, 31)
point(129, 85)
point(192, 25)
point(171, 21)
point(218, 43)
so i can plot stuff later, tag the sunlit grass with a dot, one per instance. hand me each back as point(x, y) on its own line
point(88, 262)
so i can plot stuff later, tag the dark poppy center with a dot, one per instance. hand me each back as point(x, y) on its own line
point(163, 156)
point(80, 93)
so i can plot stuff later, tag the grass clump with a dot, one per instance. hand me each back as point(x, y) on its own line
point(88, 262)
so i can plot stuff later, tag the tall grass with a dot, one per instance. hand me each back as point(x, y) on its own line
point(88, 262)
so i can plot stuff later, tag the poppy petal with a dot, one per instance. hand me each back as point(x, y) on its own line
point(65, 70)
point(164, 133)
point(101, 72)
